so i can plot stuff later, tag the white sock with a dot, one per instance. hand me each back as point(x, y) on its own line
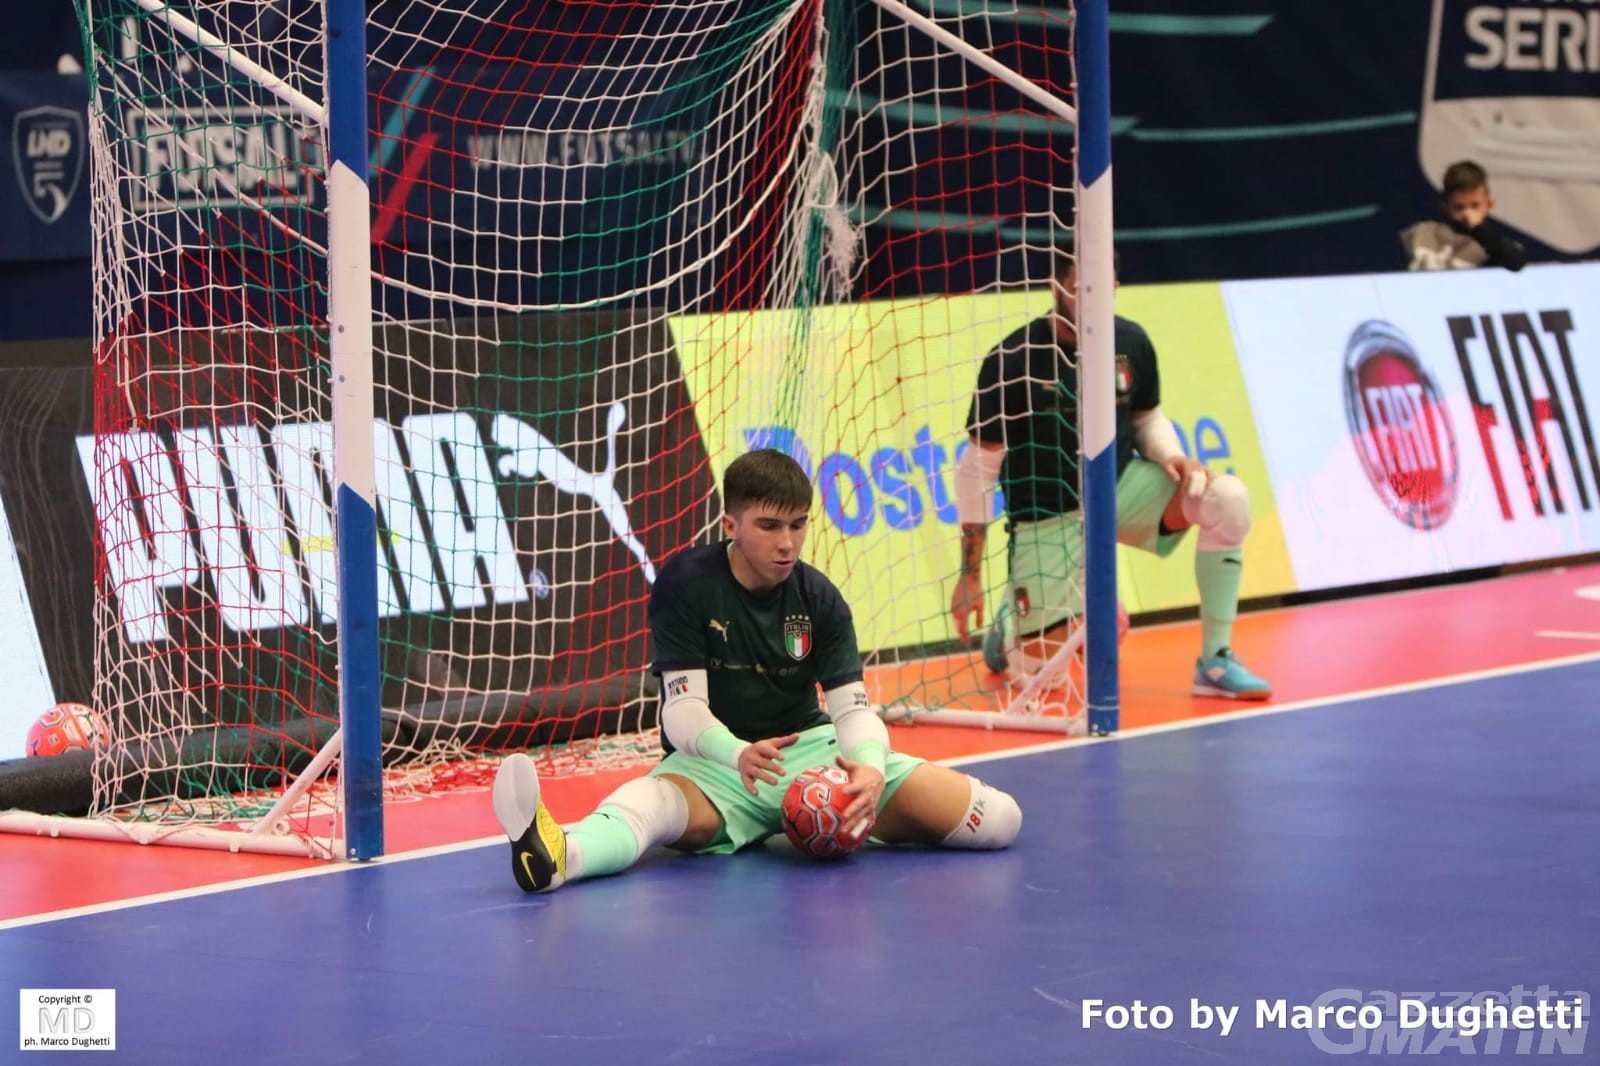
point(992, 821)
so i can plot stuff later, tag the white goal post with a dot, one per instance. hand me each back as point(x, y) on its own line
point(423, 335)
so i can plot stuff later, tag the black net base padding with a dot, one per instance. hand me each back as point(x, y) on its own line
point(62, 784)
point(514, 721)
point(241, 759)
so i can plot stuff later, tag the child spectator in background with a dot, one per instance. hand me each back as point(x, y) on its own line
point(1465, 238)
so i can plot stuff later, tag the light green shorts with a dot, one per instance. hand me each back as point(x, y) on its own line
point(748, 819)
point(1045, 560)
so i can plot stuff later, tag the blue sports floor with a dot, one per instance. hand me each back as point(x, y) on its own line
point(1442, 842)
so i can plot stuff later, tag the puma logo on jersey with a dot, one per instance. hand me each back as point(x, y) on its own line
point(720, 627)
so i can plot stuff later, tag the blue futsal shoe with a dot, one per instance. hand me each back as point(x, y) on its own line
point(995, 638)
point(1224, 675)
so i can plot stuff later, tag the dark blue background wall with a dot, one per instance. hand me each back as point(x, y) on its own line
point(1261, 138)
point(41, 298)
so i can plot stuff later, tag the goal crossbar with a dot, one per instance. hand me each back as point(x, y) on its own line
point(982, 60)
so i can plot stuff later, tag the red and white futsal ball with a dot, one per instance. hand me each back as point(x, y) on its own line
point(67, 727)
point(813, 814)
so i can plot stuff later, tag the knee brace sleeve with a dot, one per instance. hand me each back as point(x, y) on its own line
point(992, 821)
point(654, 809)
point(1222, 512)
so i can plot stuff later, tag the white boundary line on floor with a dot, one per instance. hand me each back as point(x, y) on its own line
point(1590, 592)
point(1285, 708)
point(969, 760)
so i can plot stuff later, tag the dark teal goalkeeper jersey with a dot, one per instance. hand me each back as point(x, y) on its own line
point(764, 655)
point(1027, 401)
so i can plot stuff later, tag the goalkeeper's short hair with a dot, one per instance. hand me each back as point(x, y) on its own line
point(765, 476)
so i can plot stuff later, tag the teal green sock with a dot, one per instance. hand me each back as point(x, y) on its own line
point(1217, 575)
point(601, 844)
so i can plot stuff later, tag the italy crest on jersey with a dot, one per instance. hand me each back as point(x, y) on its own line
point(797, 636)
point(1124, 375)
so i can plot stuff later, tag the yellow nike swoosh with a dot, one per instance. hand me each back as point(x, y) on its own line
point(526, 867)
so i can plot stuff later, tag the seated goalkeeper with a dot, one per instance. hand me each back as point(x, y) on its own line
point(1023, 424)
point(743, 634)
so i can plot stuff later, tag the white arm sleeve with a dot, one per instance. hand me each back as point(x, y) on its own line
point(1154, 434)
point(977, 472)
point(862, 736)
point(687, 721)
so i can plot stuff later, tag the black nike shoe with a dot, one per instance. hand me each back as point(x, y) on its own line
point(538, 843)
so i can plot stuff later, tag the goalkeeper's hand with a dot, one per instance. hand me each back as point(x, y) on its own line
point(966, 603)
point(865, 788)
point(762, 761)
point(1191, 475)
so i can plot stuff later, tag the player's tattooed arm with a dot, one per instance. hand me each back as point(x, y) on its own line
point(977, 472)
point(966, 598)
point(973, 539)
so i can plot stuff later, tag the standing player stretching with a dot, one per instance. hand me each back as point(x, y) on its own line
point(743, 633)
point(1024, 428)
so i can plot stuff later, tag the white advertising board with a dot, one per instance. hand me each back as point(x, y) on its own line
point(1416, 424)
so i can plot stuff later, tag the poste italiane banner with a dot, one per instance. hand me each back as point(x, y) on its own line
point(877, 417)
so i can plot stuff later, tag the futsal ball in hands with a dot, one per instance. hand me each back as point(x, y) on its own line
point(66, 727)
point(813, 814)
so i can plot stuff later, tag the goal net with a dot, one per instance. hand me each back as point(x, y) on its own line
point(613, 245)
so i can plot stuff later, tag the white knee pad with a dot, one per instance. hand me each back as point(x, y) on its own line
point(655, 809)
point(992, 821)
point(1222, 512)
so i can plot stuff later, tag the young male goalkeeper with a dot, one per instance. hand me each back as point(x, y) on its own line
point(1023, 423)
point(743, 634)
